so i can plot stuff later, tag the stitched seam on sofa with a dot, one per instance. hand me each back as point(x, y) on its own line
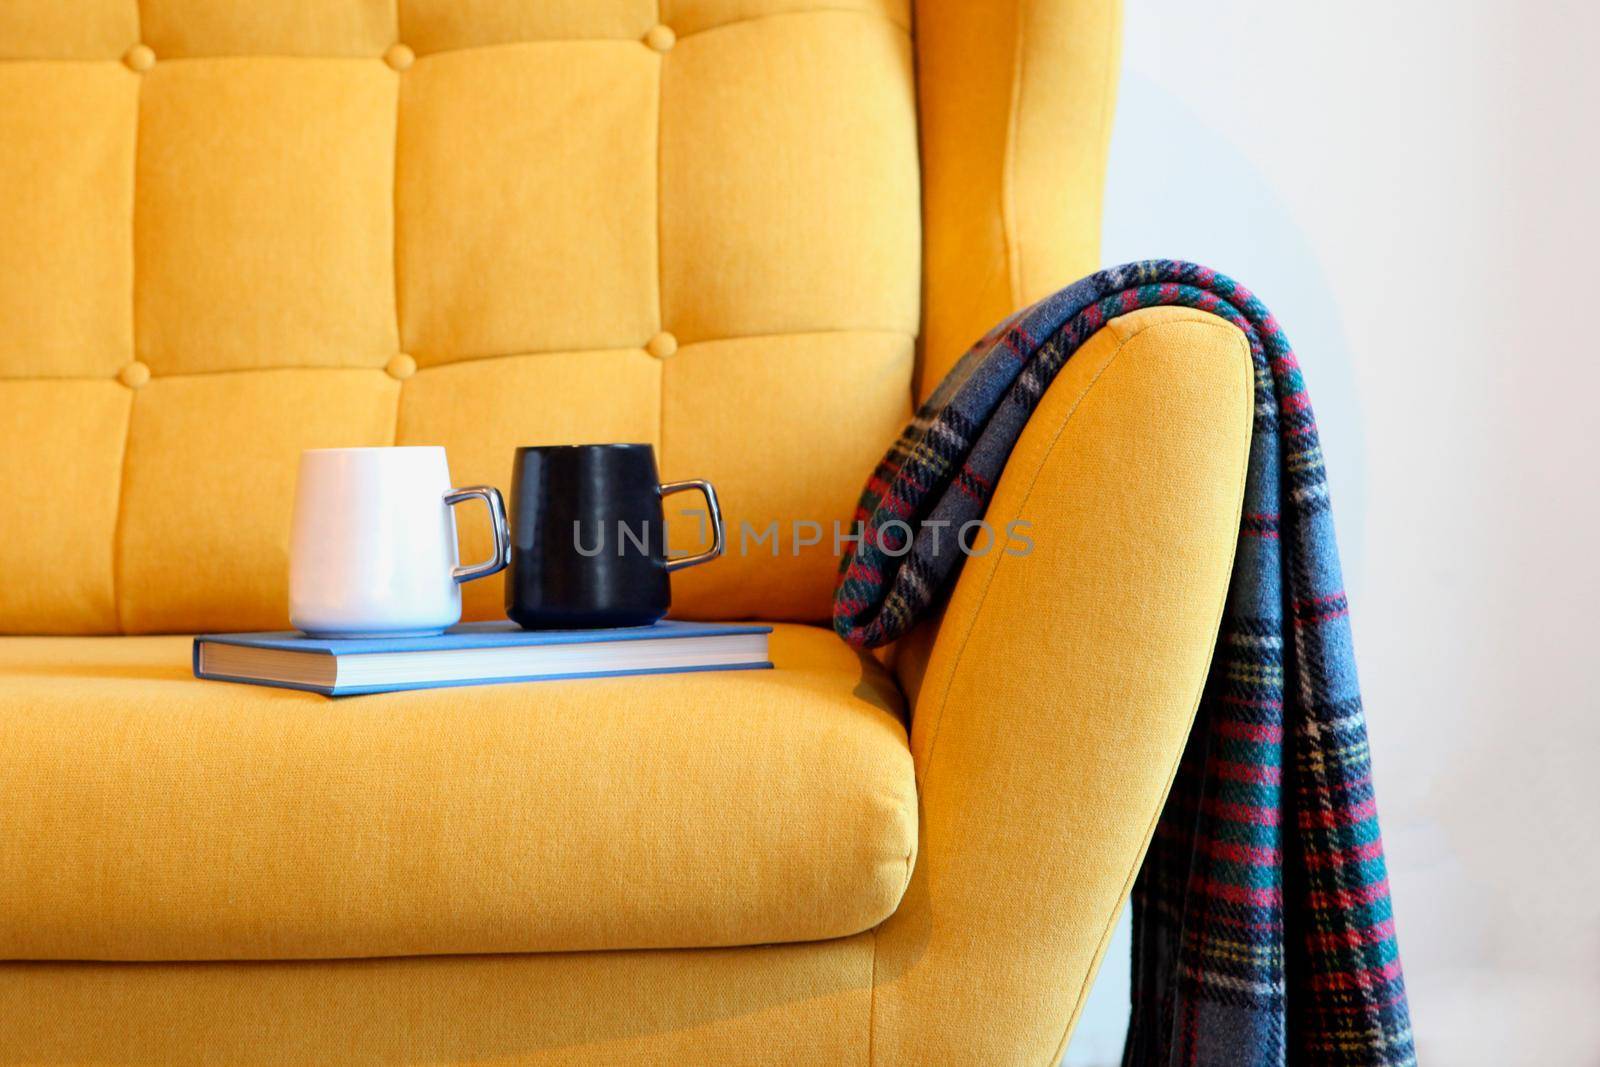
point(872, 999)
point(1008, 200)
point(630, 350)
point(896, 23)
point(379, 369)
point(1243, 345)
point(872, 1010)
point(116, 529)
point(911, 863)
point(1108, 96)
point(437, 359)
point(919, 345)
point(826, 9)
point(60, 59)
point(133, 341)
point(287, 368)
point(661, 296)
point(394, 235)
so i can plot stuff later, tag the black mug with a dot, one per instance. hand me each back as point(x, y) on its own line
point(589, 537)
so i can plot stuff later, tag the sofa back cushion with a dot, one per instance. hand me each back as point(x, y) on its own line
point(235, 231)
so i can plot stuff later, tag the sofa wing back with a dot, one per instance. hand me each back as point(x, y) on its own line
point(235, 231)
point(1016, 104)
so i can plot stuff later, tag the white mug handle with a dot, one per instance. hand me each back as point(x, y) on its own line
point(502, 531)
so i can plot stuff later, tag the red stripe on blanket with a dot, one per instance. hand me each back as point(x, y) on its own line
point(1255, 814)
point(1367, 850)
point(1370, 935)
point(1235, 852)
point(1259, 896)
point(1344, 899)
point(1324, 819)
point(1249, 731)
point(1365, 978)
point(1253, 773)
point(1295, 402)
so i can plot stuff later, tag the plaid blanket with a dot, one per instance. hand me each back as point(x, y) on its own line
point(1262, 926)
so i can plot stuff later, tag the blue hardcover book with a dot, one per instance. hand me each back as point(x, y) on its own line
point(475, 653)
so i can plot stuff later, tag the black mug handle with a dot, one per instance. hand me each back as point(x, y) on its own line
point(667, 489)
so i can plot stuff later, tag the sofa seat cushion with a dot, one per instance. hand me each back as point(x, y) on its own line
point(146, 815)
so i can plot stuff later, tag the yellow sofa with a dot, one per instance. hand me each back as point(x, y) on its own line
point(749, 232)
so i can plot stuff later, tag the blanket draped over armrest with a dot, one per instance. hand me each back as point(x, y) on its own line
point(1262, 929)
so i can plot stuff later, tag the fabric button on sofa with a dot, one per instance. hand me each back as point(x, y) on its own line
point(749, 232)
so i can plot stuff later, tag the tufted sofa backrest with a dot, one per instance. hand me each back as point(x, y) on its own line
point(232, 231)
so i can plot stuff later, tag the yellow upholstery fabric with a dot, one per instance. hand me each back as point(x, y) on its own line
point(192, 28)
point(61, 476)
point(809, 1005)
point(67, 256)
point(522, 222)
point(82, 29)
point(149, 815)
point(264, 212)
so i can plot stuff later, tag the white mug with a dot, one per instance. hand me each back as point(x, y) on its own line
point(373, 551)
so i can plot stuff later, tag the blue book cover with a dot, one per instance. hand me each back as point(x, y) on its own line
point(475, 653)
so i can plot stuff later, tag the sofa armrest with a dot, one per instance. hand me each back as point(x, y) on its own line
point(1053, 699)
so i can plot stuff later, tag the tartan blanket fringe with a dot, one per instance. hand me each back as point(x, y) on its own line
point(1263, 932)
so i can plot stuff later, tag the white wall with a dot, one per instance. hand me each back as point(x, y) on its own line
point(1411, 187)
